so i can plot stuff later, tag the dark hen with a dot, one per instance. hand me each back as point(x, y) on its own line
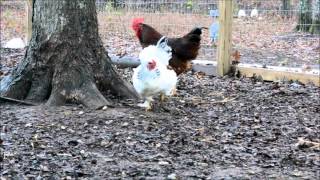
point(184, 49)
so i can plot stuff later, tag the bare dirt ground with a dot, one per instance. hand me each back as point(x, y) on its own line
point(216, 128)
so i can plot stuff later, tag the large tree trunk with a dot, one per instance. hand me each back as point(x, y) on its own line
point(309, 16)
point(65, 61)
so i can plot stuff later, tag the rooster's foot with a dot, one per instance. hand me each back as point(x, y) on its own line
point(146, 105)
point(174, 92)
point(162, 98)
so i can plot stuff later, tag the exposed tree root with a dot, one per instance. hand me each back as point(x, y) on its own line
point(15, 87)
point(124, 89)
point(88, 95)
point(6, 99)
point(110, 80)
point(40, 88)
point(91, 97)
point(57, 98)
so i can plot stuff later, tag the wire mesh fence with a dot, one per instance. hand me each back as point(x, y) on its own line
point(13, 20)
point(267, 36)
point(270, 37)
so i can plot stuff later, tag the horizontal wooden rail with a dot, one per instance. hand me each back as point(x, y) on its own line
point(269, 73)
point(274, 73)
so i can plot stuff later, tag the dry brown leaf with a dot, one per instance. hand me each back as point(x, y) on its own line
point(200, 74)
point(236, 57)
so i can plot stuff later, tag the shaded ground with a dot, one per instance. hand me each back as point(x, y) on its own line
point(216, 128)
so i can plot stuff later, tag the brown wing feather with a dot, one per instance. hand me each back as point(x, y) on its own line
point(149, 36)
point(184, 49)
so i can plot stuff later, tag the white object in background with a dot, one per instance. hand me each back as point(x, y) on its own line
point(254, 13)
point(15, 43)
point(242, 13)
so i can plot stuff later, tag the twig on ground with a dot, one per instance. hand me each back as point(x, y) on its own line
point(307, 144)
point(6, 99)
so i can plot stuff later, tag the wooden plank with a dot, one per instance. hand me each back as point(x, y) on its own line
point(208, 67)
point(29, 25)
point(271, 73)
point(274, 73)
point(225, 34)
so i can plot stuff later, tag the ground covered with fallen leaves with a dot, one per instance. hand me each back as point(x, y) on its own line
point(216, 128)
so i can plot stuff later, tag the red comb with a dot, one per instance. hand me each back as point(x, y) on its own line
point(136, 22)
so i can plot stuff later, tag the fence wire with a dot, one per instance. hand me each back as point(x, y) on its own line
point(269, 37)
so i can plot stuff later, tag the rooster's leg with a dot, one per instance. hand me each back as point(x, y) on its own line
point(149, 106)
point(146, 105)
point(174, 91)
point(162, 97)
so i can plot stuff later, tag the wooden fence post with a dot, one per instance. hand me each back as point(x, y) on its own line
point(29, 25)
point(225, 35)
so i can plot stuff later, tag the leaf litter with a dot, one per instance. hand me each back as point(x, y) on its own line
point(215, 128)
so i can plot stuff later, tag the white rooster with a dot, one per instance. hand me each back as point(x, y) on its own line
point(152, 77)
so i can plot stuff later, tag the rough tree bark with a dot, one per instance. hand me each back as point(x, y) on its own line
point(65, 61)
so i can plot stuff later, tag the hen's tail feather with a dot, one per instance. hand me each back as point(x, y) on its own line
point(197, 30)
point(136, 23)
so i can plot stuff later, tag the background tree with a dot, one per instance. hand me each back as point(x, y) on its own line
point(315, 27)
point(286, 7)
point(309, 16)
point(65, 60)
